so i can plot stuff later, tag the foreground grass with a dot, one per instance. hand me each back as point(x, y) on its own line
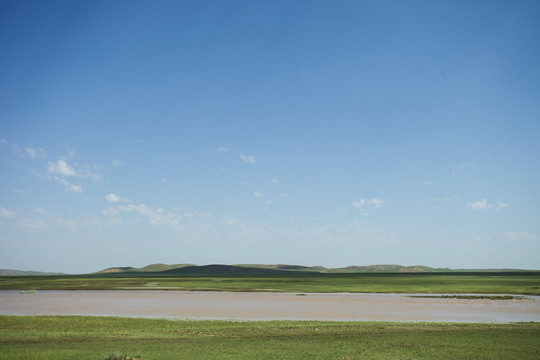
point(479, 283)
point(74, 337)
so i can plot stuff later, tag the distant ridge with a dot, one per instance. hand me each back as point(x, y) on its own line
point(116, 270)
point(222, 269)
point(217, 269)
point(148, 268)
point(9, 272)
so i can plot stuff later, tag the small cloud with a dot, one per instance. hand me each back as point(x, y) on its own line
point(257, 194)
point(274, 181)
point(376, 202)
point(459, 167)
point(164, 180)
point(74, 188)
point(139, 141)
point(71, 152)
point(110, 212)
point(436, 198)
point(497, 206)
point(156, 216)
point(61, 168)
point(483, 205)
point(249, 159)
point(222, 149)
point(283, 195)
point(478, 205)
point(17, 190)
point(3, 141)
point(427, 183)
point(6, 214)
point(232, 222)
point(32, 224)
point(518, 236)
point(113, 198)
point(34, 152)
point(269, 202)
point(41, 211)
point(116, 162)
point(197, 214)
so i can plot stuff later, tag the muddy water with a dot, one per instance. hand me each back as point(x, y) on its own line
point(267, 306)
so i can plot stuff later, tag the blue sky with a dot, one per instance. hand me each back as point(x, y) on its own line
point(309, 132)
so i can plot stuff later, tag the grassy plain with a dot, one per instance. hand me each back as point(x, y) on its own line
point(94, 338)
point(527, 283)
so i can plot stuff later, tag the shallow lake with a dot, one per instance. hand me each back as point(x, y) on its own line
point(267, 306)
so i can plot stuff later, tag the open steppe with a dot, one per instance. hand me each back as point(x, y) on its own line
point(82, 337)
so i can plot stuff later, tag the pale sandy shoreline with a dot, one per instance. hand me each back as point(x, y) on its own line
point(267, 306)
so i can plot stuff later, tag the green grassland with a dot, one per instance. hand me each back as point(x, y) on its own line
point(526, 283)
point(94, 338)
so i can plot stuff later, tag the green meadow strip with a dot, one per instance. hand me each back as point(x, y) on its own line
point(94, 338)
point(434, 283)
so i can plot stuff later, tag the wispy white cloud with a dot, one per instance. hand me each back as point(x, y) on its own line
point(433, 199)
point(60, 170)
point(70, 153)
point(257, 194)
point(283, 195)
point(155, 216)
point(6, 213)
point(360, 204)
point(32, 225)
point(497, 205)
point(74, 188)
point(273, 182)
point(484, 204)
point(478, 205)
point(113, 198)
point(116, 162)
point(41, 211)
point(221, 148)
point(3, 141)
point(60, 167)
point(437, 198)
point(196, 214)
point(376, 202)
point(249, 159)
point(460, 167)
point(35, 152)
point(427, 183)
point(518, 236)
